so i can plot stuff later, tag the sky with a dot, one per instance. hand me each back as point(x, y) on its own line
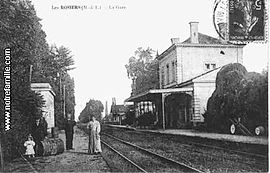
point(102, 40)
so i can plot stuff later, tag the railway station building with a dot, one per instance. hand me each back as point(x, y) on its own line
point(187, 74)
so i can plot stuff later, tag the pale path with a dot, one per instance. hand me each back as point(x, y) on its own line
point(76, 160)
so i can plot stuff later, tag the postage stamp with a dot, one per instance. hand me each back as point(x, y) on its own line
point(246, 20)
point(241, 21)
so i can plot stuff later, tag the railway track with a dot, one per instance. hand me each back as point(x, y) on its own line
point(229, 155)
point(203, 156)
point(175, 166)
point(229, 150)
point(124, 157)
point(23, 165)
point(189, 143)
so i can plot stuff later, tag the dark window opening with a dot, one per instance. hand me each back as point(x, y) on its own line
point(207, 66)
point(168, 74)
point(222, 53)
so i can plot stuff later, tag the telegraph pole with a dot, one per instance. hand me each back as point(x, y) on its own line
point(30, 74)
point(62, 94)
point(1, 154)
point(64, 102)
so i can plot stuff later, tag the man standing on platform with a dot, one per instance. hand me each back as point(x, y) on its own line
point(39, 132)
point(69, 124)
point(94, 146)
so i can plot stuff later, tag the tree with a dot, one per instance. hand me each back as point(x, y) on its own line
point(238, 95)
point(69, 95)
point(61, 63)
point(92, 108)
point(20, 30)
point(254, 100)
point(143, 70)
point(56, 63)
point(54, 69)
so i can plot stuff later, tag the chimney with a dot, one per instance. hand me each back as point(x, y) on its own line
point(194, 32)
point(106, 109)
point(113, 101)
point(175, 40)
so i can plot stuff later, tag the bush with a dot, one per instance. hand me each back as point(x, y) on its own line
point(130, 118)
point(146, 119)
point(23, 114)
point(238, 95)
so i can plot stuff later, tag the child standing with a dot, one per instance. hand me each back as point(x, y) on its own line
point(29, 144)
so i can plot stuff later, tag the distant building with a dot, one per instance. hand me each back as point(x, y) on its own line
point(187, 78)
point(118, 113)
point(46, 91)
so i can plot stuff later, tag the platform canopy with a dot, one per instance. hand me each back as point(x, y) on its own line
point(151, 94)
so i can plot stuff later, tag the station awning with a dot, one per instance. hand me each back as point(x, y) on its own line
point(149, 95)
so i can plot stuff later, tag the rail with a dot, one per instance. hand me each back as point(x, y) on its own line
point(26, 161)
point(250, 154)
point(181, 165)
point(229, 150)
point(124, 157)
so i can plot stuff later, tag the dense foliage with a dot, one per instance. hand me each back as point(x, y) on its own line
point(130, 116)
point(146, 119)
point(20, 30)
point(143, 70)
point(54, 69)
point(92, 108)
point(238, 95)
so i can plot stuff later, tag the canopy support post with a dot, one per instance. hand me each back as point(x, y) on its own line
point(163, 110)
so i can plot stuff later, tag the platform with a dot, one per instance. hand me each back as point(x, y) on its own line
point(260, 140)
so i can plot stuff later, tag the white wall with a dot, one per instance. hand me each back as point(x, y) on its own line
point(194, 58)
point(171, 57)
point(191, 60)
point(202, 92)
point(48, 108)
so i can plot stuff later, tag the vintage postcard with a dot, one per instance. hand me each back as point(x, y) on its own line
point(134, 86)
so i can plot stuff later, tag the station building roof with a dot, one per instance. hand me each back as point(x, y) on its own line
point(118, 109)
point(151, 94)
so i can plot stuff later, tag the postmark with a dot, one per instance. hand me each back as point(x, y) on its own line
point(241, 21)
point(220, 18)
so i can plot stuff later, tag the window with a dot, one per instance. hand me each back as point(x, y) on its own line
point(210, 66)
point(168, 73)
point(173, 71)
point(162, 77)
point(207, 66)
